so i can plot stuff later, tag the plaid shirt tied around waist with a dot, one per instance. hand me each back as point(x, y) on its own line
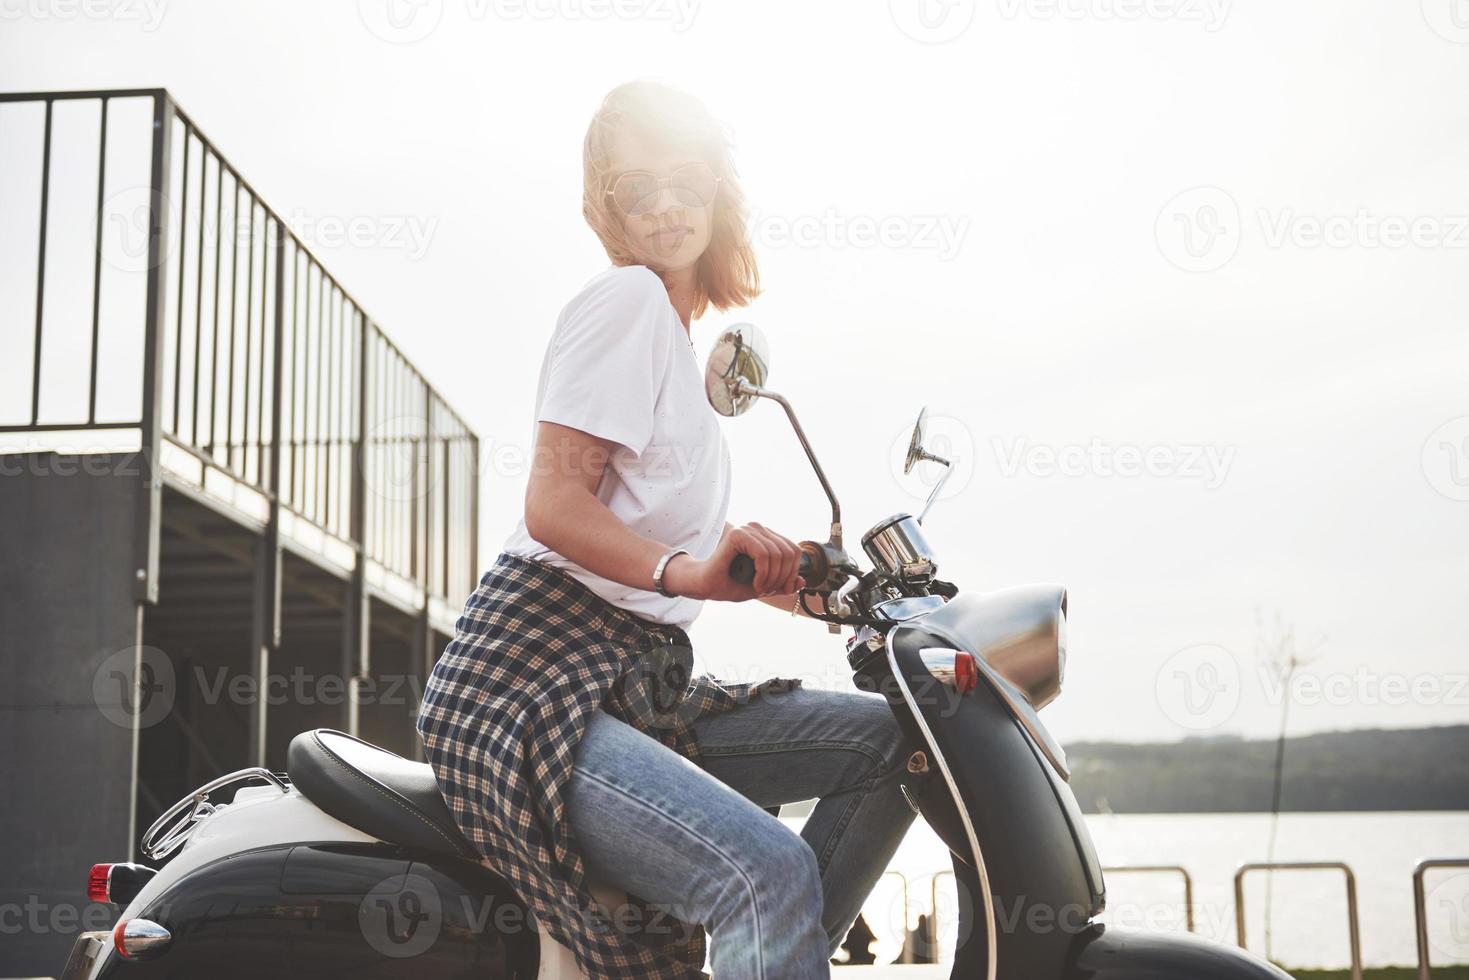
point(505, 707)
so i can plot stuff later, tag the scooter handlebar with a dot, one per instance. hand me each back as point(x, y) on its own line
point(742, 567)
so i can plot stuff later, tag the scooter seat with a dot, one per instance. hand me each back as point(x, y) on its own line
point(375, 791)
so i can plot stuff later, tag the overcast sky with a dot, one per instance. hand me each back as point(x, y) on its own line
point(1183, 283)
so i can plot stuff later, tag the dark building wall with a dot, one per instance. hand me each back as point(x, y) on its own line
point(68, 631)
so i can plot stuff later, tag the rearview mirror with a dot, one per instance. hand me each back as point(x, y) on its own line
point(740, 357)
point(916, 454)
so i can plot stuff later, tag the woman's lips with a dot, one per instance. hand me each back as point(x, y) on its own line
point(669, 236)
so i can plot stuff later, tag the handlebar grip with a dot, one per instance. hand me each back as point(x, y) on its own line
point(742, 567)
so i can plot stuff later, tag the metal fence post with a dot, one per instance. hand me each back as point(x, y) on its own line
point(1420, 908)
point(150, 498)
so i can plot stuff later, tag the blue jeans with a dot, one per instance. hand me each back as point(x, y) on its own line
point(697, 841)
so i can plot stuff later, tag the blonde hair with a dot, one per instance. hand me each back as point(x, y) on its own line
point(667, 118)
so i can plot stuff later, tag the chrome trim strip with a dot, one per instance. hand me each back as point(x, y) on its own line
point(991, 952)
point(941, 662)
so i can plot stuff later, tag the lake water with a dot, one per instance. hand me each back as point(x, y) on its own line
point(1309, 916)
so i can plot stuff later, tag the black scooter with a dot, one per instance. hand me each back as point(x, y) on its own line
point(351, 866)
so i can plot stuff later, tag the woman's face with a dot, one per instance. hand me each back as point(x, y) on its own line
point(675, 230)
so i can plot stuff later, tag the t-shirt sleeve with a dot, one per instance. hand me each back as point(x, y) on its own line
point(608, 359)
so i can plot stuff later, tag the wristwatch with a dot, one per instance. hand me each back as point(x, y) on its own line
point(658, 571)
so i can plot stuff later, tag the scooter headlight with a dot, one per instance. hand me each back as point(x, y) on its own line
point(1061, 646)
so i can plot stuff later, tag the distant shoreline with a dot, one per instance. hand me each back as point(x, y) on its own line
point(1378, 770)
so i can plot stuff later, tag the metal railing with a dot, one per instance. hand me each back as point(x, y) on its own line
point(1354, 932)
point(1420, 911)
point(1188, 883)
point(1420, 908)
point(215, 331)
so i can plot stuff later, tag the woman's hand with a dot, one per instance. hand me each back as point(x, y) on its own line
point(777, 563)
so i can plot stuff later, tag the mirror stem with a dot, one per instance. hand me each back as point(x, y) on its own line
point(742, 387)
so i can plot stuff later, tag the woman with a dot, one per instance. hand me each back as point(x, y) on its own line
point(561, 722)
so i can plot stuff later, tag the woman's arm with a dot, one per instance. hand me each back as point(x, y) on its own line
point(563, 513)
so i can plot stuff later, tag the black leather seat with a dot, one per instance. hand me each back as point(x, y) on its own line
point(379, 793)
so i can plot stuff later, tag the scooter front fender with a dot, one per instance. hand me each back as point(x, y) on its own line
point(1105, 953)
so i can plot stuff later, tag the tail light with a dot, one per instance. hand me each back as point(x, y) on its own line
point(140, 939)
point(955, 668)
point(966, 672)
point(117, 883)
point(97, 883)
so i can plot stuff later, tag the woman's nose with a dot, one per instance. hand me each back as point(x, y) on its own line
point(666, 199)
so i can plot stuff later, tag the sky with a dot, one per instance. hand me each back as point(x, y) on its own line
point(1182, 283)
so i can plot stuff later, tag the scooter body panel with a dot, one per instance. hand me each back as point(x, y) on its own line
point(330, 909)
point(1025, 890)
point(271, 886)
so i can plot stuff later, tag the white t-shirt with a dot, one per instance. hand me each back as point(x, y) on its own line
point(620, 366)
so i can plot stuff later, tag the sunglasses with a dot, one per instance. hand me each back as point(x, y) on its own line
point(636, 191)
